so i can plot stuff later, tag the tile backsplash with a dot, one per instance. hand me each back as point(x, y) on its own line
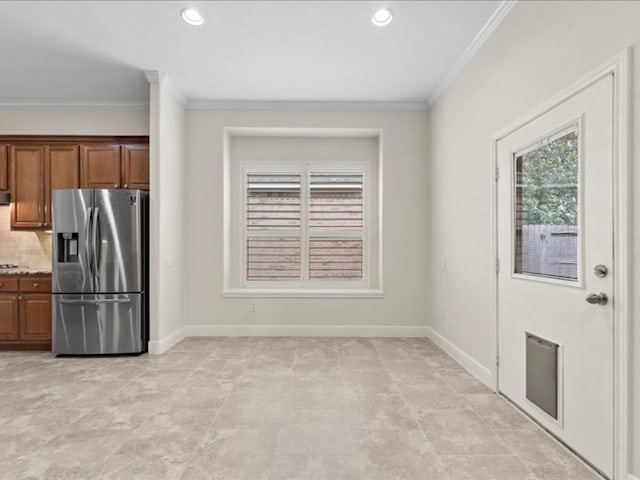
point(26, 249)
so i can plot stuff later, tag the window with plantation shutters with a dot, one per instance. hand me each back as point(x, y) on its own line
point(335, 226)
point(304, 228)
point(273, 242)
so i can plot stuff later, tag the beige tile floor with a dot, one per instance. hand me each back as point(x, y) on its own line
point(266, 408)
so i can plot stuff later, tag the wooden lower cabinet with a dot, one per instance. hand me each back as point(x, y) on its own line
point(25, 316)
point(8, 316)
point(35, 317)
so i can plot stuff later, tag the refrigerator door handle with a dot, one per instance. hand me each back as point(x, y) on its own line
point(96, 302)
point(96, 247)
point(88, 249)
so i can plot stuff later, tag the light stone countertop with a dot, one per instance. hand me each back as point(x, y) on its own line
point(26, 271)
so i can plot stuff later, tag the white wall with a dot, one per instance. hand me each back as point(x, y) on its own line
point(74, 121)
point(167, 198)
point(405, 225)
point(538, 49)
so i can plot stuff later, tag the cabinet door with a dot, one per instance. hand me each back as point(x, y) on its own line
point(135, 167)
point(27, 185)
point(62, 171)
point(100, 166)
point(8, 316)
point(35, 317)
point(4, 167)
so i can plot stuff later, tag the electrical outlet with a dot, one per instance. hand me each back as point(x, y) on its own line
point(253, 306)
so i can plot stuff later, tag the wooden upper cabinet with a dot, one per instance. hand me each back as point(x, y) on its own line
point(62, 171)
point(27, 165)
point(100, 166)
point(4, 167)
point(135, 167)
point(32, 167)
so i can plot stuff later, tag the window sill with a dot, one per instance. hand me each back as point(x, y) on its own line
point(302, 293)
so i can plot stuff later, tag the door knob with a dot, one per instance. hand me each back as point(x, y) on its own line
point(597, 298)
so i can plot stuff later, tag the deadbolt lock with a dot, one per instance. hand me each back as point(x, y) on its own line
point(600, 271)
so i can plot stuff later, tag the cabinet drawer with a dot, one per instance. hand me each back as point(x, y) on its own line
point(35, 284)
point(8, 284)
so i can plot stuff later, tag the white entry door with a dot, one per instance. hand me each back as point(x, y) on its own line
point(555, 284)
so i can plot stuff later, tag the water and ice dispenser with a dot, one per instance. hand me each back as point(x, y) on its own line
point(67, 247)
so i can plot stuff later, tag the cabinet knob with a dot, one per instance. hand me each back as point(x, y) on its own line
point(125, 185)
point(19, 297)
point(115, 185)
point(36, 284)
point(1, 285)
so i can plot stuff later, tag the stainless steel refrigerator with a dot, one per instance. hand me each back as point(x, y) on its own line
point(100, 271)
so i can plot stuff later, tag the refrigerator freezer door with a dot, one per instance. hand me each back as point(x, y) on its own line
point(117, 241)
point(97, 324)
point(71, 268)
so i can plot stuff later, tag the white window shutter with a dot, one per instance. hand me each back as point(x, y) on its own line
point(336, 206)
point(273, 204)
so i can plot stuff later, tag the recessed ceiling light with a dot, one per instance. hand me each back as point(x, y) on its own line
point(192, 16)
point(382, 17)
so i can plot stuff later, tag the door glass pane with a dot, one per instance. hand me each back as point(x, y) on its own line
point(546, 209)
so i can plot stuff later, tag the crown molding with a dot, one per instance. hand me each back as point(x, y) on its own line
point(154, 76)
point(501, 12)
point(328, 106)
point(74, 105)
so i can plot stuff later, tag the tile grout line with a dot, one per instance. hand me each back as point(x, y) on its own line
point(413, 411)
point(235, 381)
point(279, 427)
point(149, 417)
point(344, 393)
point(473, 409)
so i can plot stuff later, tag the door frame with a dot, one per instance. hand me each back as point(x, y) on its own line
point(619, 66)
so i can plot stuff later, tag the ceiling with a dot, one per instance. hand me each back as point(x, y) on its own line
point(96, 52)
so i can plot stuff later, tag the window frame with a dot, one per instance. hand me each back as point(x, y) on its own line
point(229, 171)
point(305, 169)
point(575, 125)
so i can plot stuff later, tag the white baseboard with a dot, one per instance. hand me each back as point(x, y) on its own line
point(156, 347)
point(304, 331)
point(470, 364)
